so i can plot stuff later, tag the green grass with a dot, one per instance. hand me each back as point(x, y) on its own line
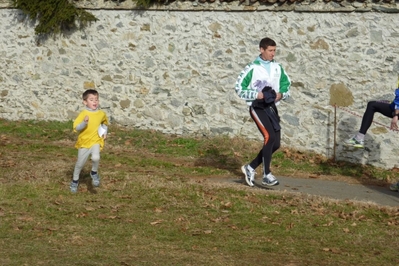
point(158, 205)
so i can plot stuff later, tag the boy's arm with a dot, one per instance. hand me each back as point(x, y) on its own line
point(81, 126)
point(105, 120)
point(80, 122)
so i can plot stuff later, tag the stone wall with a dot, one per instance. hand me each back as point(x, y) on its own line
point(174, 71)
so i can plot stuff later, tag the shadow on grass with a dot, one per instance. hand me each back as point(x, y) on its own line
point(364, 174)
point(84, 179)
point(212, 157)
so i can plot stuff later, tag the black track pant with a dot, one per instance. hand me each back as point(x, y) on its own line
point(368, 116)
point(271, 138)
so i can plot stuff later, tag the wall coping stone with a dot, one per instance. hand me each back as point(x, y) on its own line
point(384, 6)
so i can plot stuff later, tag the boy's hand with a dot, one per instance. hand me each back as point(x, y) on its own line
point(394, 123)
point(86, 119)
point(105, 136)
point(278, 97)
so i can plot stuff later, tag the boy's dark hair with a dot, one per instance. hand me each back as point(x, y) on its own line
point(266, 42)
point(87, 92)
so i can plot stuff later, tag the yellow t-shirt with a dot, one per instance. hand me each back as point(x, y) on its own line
point(89, 135)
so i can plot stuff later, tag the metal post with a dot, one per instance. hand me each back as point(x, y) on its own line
point(335, 131)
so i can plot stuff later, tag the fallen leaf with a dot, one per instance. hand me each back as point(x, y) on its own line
point(158, 210)
point(329, 223)
point(226, 205)
point(290, 226)
point(335, 250)
point(81, 215)
point(294, 211)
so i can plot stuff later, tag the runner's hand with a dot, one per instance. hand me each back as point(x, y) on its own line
point(278, 97)
point(394, 123)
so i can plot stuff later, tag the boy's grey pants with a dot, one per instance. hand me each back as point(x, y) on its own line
point(83, 155)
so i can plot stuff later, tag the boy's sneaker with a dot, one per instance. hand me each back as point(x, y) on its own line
point(394, 187)
point(74, 187)
point(95, 179)
point(269, 180)
point(355, 143)
point(249, 175)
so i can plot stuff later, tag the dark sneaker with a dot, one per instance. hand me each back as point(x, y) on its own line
point(394, 187)
point(354, 143)
point(249, 175)
point(74, 187)
point(95, 179)
point(269, 180)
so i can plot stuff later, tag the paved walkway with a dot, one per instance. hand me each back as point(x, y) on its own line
point(341, 190)
point(337, 190)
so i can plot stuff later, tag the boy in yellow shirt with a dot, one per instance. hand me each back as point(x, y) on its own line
point(91, 124)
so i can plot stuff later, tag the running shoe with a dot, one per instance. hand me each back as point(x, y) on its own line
point(269, 180)
point(95, 179)
point(394, 187)
point(249, 175)
point(354, 143)
point(74, 187)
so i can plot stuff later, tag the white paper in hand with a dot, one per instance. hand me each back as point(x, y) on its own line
point(102, 130)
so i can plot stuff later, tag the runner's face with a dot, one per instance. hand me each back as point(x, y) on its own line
point(92, 101)
point(268, 53)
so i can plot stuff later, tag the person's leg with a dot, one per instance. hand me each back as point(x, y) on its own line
point(264, 156)
point(368, 116)
point(277, 143)
point(249, 169)
point(83, 154)
point(270, 137)
point(268, 178)
point(95, 158)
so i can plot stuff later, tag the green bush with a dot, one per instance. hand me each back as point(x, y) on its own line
point(57, 16)
point(148, 3)
point(54, 16)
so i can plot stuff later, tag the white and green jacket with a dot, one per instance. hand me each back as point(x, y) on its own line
point(259, 74)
